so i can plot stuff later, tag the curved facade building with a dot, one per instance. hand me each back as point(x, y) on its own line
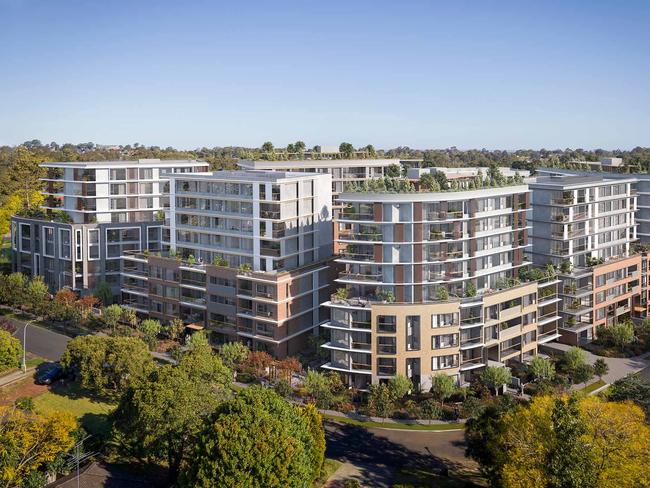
point(428, 285)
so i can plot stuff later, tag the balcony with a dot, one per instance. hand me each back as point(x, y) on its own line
point(369, 277)
point(352, 256)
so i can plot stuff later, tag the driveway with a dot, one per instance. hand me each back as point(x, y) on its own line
point(377, 454)
point(618, 367)
point(42, 342)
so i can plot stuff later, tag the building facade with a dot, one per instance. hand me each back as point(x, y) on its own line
point(430, 285)
point(586, 227)
point(249, 259)
point(93, 213)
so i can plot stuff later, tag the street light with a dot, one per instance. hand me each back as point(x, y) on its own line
point(25, 345)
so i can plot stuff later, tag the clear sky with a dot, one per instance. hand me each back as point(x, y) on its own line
point(423, 74)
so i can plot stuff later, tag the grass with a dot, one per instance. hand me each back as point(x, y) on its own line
point(592, 387)
point(91, 412)
point(330, 466)
point(392, 425)
point(417, 477)
point(32, 362)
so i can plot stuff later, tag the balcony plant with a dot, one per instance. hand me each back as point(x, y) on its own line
point(191, 260)
point(387, 296)
point(566, 266)
point(470, 289)
point(341, 294)
point(442, 293)
point(245, 267)
point(219, 261)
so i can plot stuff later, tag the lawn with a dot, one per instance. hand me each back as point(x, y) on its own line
point(392, 425)
point(421, 477)
point(329, 468)
point(592, 387)
point(92, 413)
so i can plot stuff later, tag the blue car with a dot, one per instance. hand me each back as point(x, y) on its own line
point(49, 374)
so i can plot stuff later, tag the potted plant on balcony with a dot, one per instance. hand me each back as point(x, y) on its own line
point(219, 261)
point(470, 289)
point(442, 293)
point(245, 267)
point(386, 296)
point(191, 260)
point(571, 321)
point(341, 294)
point(566, 266)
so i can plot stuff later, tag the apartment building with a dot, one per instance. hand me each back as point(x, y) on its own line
point(430, 284)
point(586, 226)
point(250, 255)
point(92, 214)
point(342, 171)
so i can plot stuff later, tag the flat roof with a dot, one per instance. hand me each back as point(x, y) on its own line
point(576, 181)
point(248, 175)
point(313, 163)
point(440, 196)
point(157, 163)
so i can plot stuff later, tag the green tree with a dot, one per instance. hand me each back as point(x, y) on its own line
point(25, 174)
point(107, 365)
point(393, 171)
point(12, 290)
point(622, 334)
point(150, 329)
point(430, 409)
point(10, 351)
point(494, 377)
point(129, 317)
point(104, 294)
point(442, 386)
point(399, 386)
point(573, 358)
point(346, 149)
point(267, 147)
point(37, 295)
point(600, 368)
point(255, 439)
point(542, 369)
point(174, 329)
point(380, 400)
point(583, 373)
point(429, 183)
point(111, 316)
point(634, 388)
point(233, 354)
point(314, 422)
point(483, 437)
point(318, 387)
point(161, 415)
point(299, 146)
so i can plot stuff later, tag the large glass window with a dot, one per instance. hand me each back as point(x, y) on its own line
point(93, 244)
point(48, 249)
point(65, 244)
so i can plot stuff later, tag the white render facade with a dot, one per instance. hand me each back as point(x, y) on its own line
point(268, 221)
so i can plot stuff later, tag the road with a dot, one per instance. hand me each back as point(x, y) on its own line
point(42, 342)
point(377, 453)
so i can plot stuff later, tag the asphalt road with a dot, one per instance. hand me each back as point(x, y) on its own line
point(42, 342)
point(380, 452)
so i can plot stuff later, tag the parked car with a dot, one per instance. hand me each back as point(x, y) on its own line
point(49, 375)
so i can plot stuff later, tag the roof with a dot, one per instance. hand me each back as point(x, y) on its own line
point(573, 181)
point(152, 163)
point(314, 163)
point(431, 196)
point(248, 176)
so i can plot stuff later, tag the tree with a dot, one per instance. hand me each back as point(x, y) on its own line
point(86, 304)
point(430, 409)
point(318, 388)
point(600, 368)
point(174, 329)
point(399, 386)
point(13, 289)
point(429, 183)
point(542, 369)
point(111, 316)
point(107, 365)
point(483, 437)
point(442, 386)
point(380, 400)
point(632, 387)
point(150, 329)
point(583, 373)
point(573, 358)
point(622, 334)
point(299, 146)
point(161, 415)
point(393, 171)
point(314, 421)
point(267, 147)
point(346, 149)
point(258, 363)
point(104, 294)
point(255, 439)
point(129, 317)
point(29, 441)
point(25, 173)
point(494, 377)
point(37, 295)
point(10, 351)
point(233, 354)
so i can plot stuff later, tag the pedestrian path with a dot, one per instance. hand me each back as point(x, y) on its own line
point(10, 378)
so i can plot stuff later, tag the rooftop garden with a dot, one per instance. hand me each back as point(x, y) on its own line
point(39, 213)
point(436, 182)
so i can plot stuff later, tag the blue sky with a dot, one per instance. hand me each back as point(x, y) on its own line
point(424, 74)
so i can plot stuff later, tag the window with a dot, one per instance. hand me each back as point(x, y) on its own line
point(48, 238)
point(386, 324)
point(444, 362)
point(25, 237)
point(386, 345)
point(93, 244)
point(412, 332)
point(78, 243)
point(64, 244)
point(146, 174)
point(14, 237)
point(443, 320)
point(118, 174)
